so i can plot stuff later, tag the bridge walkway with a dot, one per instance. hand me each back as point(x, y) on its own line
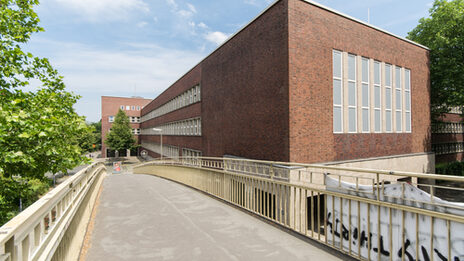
point(142, 217)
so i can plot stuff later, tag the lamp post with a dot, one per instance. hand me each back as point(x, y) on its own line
point(161, 140)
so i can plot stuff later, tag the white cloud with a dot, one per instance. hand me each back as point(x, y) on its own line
point(92, 71)
point(104, 10)
point(142, 24)
point(216, 37)
point(258, 2)
point(202, 25)
point(192, 8)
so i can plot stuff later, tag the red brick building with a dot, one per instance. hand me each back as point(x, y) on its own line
point(448, 136)
point(301, 83)
point(110, 106)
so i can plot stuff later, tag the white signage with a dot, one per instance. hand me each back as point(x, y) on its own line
point(418, 240)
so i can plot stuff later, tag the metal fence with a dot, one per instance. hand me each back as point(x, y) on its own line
point(366, 214)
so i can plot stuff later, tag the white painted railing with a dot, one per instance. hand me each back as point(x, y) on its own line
point(36, 233)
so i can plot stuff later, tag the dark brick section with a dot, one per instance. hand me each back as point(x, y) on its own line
point(245, 91)
point(440, 138)
point(314, 33)
point(267, 92)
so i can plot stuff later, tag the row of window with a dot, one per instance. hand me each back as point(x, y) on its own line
point(190, 127)
point(448, 127)
point(188, 97)
point(136, 131)
point(132, 119)
point(448, 148)
point(130, 108)
point(168, 150)
point(369, 95)
point(190, 153)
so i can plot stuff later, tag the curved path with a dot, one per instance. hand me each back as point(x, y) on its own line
point(143, 217)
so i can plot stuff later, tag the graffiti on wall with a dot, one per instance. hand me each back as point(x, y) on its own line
point(399, 233)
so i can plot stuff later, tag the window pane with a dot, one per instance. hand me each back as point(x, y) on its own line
point(408, 121)
point(388, 121)
point(407, 102)
point(337, 119)
point(398, 77)
point(365, 70)
point(388, 75)
point(351, 94)
point(337, 64)
point(376, 73)
point(365, 95)
point(377, 96)
point(365, 115)
point(377, 120)
point(398, 100)
point(398, 121)
point(352, 119)
point(351, 67)
point(337, 92)
point(407, 79)
point(388, 98)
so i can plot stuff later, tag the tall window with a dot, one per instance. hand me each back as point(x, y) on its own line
point(398, 100)
point(352, 110)
point(365, 95)
point(388, 98)
point(377, 98)
point(111, 119)
point(337, 93)
point(407, 99)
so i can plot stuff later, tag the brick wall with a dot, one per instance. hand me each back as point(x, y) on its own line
point(313, 34)
point(110, 107)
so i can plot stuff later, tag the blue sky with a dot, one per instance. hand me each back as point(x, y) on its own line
point(140, 47)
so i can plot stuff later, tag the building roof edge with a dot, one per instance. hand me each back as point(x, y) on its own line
point(363, 23)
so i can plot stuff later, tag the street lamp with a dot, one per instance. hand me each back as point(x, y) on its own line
point(161, 138)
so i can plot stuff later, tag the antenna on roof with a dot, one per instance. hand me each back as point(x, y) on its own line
point(368, 16)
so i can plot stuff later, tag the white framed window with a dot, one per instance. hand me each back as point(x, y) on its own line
point(138, 108)
point(133, 108)
point(398, 100)
point(365, 95)
point(407, 100)
point(388, 98)
point(111, 119)
point(377, 98)
point(337, 92)
point(127, 108)
point(352, 99)
point(122, 107)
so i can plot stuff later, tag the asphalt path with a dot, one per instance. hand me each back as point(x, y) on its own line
point(142, 217)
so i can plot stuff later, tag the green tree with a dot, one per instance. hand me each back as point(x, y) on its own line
point(120, 137)
point(443, 33)
point(39, 129)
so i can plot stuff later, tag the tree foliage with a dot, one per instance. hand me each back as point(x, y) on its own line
point(120, 137)
point(443, 33)
point(39, 129)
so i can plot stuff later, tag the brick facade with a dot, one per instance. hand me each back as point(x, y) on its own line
point(267, 92)
point(110, 107)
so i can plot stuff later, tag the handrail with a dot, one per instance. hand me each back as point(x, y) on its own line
point(343, 208)
point(26, 236)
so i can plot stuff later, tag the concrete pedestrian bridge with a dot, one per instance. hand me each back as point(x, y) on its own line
point(235, 209)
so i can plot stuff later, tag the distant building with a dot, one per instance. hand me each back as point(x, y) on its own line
point(301, 83)
point(448, 136)
point(110, 106)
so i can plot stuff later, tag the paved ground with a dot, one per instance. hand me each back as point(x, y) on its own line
point(143, 217)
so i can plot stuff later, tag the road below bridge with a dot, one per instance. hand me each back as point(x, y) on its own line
point(142, 217)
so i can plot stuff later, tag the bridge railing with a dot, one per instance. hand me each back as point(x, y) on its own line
point(367, 214)
point(36, 233)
